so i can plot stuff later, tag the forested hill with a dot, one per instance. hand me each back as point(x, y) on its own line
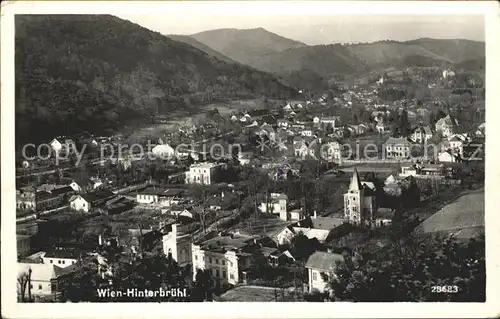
point(94, 72)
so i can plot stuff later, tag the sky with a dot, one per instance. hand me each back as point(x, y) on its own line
point(321, 28)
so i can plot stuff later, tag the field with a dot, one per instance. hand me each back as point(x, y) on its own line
point(465, 213)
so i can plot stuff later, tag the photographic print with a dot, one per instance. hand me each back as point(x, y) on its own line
point(280, 157)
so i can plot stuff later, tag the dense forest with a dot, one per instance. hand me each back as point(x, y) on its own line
point(95, 72)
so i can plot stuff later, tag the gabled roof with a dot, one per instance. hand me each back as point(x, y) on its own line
point(323, 260)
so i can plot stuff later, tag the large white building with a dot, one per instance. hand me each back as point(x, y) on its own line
point(397, 148)
point(277, 205)
point(227, 256)
point(203, 173)
point(179, 246)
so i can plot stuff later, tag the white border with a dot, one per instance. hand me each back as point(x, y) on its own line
point(11, 309)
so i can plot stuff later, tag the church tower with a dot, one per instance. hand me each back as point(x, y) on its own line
point(359, 201)
point(354, 200)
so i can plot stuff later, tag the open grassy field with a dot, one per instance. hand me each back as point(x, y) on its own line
point(465, 213)
point(261, 226)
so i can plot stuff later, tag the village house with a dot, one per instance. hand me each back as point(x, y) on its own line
point(277, 204)
point(61, 257)
point(320, 266)
point(82, 185)
point(165, 197)
point(397, 148)
point(456, 143)
point(447, 157)
point(333, 120)
point(331, 151)
point(25, 199)
point(41, 275)
point(306, 132)
point(447, 126)
point(86, 202)
point(204, 173)
point(422, 134)
point(381, 128)
point(311, 227)
point(53, 198)
point(283, 123)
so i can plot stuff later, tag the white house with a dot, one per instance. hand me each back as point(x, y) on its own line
point(277, 205)
point(56, 145)
point(203, 173)
point(320, 266)
point(331, 151)
point(79, 203)
point(446, 126)
point(179, 246)
point(446, 157)
point(222, 256)
point(457, 145)
point(41, 275)
point(60, 258)
point(421, 134)
point(398, 148)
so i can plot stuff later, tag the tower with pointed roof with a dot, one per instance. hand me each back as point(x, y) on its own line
point(359, 201)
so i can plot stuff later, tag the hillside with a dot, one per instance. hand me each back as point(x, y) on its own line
point(244, 45)
point(200, 46)
point(94, 72)
point(326, 61)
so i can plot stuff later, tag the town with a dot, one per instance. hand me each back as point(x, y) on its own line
point(371, 189)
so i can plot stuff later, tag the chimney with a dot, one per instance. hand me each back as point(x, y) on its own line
point(100, 240)
point(315, 215)
point(174, 229)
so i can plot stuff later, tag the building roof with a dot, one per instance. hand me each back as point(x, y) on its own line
point(326, 223)
point(323, 260)
point(396, 141)
point(447, 120)
point(384, 212)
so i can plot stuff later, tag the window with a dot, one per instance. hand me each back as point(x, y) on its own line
point(58, 261)
point(73, 262)
point(31, 286)
point(230, 263)
point(223, 274)
point(195, 257)
point(217, 273)
point(231, 276)
point(223, 262)
point(210, 260)
point(39, 287)
point(315, 276)
point(63, 262)
point(51, 261)
point(217, 261)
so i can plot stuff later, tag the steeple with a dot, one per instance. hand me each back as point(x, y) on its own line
point(355, 182)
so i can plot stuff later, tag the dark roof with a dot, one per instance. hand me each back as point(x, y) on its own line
point(63, 253)
point(82, 181)
point(384, 212)
point(62, 190)
point(323, 260)
point(97, 195)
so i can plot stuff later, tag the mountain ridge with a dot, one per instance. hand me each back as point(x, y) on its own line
point(90, 72)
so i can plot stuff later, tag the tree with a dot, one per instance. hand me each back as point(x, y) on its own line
point(24, 281)
point(405, 127)
point(407, 270)
point(203, 288)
